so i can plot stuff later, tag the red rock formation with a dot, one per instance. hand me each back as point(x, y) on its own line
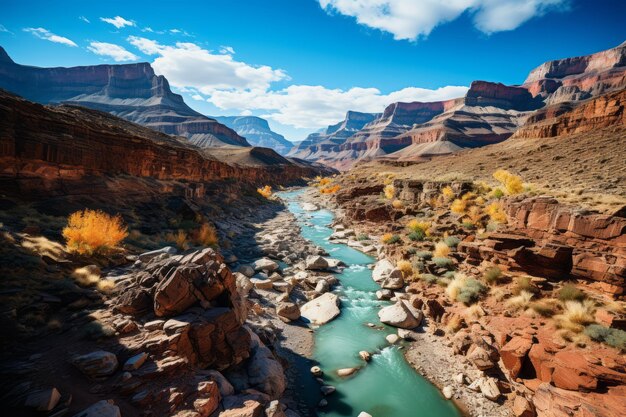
point(59, 150)
point(579, 77)
point(569, 118)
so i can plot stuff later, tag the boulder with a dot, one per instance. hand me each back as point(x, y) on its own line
point(514, 353)
point(242, 281)
point(288, 310)
point(309, 207)
point(384, 294)
point(316, 371)
point(382, 270)
point(364, 414)
point(208, 398)
point(522, 407)
point(489, 388)
point(104, 408)
point(246, 270)
point(392, 339)
point(393, 282)
point(322, 309)
point(327, 389)
point(262, 284)
point(399, 315)
point(135, 362)
point(224, 386)
point(322, 286)
point(346, 371)
point(448, 392)
point(316, 263)
point(43, 400)
point(96, 364)
point(242, 406)
point(265, 265)
point(274, 409)
point(365, 355)
point(481, 358)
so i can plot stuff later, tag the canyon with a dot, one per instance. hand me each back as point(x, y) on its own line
point(257, 279)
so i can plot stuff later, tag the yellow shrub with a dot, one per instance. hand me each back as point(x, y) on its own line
point(405, 267)
point(390, 191)
point(441, 250)
point(496, 212)
point(91, 231)
point(458, 206)
point(389, 238)
point(205, 236)
point(468, 196)
point(419, 226)
point(447, 193)
point(511, 182)
point(323, 181)
point(475, 214)
point(397, 204)
point(265, 191)
point(331, 189)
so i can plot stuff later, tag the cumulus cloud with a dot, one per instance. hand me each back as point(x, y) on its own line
point(411, 19)
point(118, 53)
point(308, 106)
point(188, 65)
point(227, 50)
point(42, 33)
point(118, 21)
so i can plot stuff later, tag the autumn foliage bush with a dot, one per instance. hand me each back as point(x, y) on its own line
point(265, 191)
point(511, 182)
point(93, 231)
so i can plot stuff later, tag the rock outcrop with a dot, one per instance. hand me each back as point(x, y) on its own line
point(61, 150)
point(556, 241)
point(257, 132)
point(130, 91)
point(579, 78)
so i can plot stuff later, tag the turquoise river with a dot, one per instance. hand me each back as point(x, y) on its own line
point(387, 386)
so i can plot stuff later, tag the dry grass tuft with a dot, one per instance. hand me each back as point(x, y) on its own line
point(389, 191)
point(521, 301)
point(441, 250)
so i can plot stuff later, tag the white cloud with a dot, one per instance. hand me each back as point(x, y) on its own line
point(188, 65)
point(84, 19)
point(118, 53)
point(411, 19)
point(197, 97)
point(42, 33)
point(5, 30)
point(174, 31)
point(227, 50)
point(118, 21)
point(308, 106)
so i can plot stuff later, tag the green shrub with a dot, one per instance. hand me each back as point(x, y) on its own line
point(612, 337)
point(426, 255)
point(418, 265)
point(449, 274)
point(442, 262)
point(389, 239)
point(452, 241)
point(497, 193)
point(428, 278)
point(471, 291)
point(362, 237)
point(570, 292)
point(468, 225)
point(492, 275)
point(417, 236)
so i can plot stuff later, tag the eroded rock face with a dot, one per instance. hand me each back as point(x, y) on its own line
point(556, 241)
point(198, 295)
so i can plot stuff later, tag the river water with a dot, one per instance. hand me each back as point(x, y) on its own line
point(387, 386)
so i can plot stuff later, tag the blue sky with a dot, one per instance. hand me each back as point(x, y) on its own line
point(303, 63)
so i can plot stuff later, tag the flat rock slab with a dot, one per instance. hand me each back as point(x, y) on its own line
point(322, 309)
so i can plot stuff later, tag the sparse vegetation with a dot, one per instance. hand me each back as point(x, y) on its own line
point(520, 301)
point(389, 191)
point(447, 193)
point(612, 337)
point(458, 206)
point(405, 267)
point(265, 191)
point(452, 241)
point(496, 213)
point(397, 204)
point(426, 255)
point(525, 284)
point(206, 235)
point(576, 315)
point(511, 182)
point(429, 278)
point(180, 239)
point(492, 275)
point(93, 231)
point(443, 262)
point(441, 250)
point(390, 239)
point(464, 289)
point(362, 237)
point(569, 292)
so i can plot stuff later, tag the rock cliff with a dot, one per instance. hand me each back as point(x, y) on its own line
point(580, 77)
point(131, 91)
point(257, 132)
point(60, 150)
